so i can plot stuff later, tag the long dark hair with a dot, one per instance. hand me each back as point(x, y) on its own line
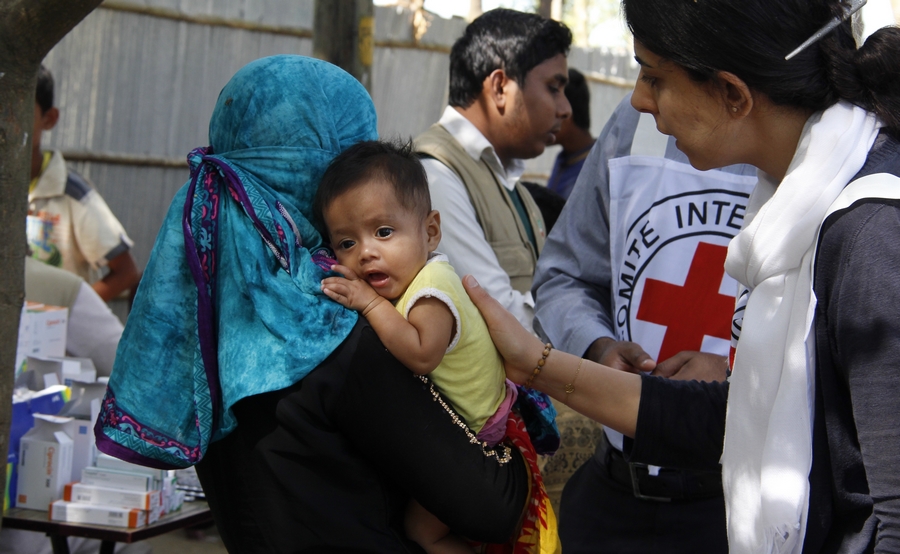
point(751, 38)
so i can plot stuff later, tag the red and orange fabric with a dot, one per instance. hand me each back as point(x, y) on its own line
point(538, 533)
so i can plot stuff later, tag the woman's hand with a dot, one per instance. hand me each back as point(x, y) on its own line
point(604, 394)
point(519, 348)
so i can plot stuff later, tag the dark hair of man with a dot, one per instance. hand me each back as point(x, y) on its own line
point(44, 91)
point(502, 39)
point(751, 38)
point(394, 162)
point(579, 95)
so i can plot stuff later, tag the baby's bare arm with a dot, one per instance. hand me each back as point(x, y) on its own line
point(420, 342)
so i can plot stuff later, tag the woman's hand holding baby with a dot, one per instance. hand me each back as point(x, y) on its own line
point(350, 291)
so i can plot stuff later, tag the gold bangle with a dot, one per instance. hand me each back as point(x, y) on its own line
point(570, 388)
point(540, 365)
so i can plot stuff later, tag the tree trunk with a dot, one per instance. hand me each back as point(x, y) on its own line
point(556, 10)
point(345, 36)
point(475, 10)
point(545, 8)
point(28, 30)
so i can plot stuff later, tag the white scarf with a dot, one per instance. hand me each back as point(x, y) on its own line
point(768, 423)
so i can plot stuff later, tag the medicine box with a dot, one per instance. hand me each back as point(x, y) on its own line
point(42, 332)
point(25, 405)
point(113, 479)
point(53, 370)
point(102, 496)
point(45, 462)
point(23, 346)
point(111, 462)
point(74, 512)
point(84, 444)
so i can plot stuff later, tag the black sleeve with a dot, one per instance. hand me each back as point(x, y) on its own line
point(861, 385)
point(680, 424)
point(328, 465)
point(391, 416)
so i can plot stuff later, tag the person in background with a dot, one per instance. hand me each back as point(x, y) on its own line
point(307, 435)
point(807, 426)
point(507, 75)
point(548, 202)
point(374, 202)
point(574, 136)
point(584, 306)
point(93, 330)
point(69, 224)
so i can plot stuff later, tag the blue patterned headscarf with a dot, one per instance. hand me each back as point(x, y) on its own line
point(229, 305)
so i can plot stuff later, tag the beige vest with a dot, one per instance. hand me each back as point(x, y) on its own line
point(494, 208)
point(50, 285)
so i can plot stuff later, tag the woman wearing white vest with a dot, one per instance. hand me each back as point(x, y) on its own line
point(810, 416)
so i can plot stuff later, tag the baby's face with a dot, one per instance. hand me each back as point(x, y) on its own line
point(383, 242)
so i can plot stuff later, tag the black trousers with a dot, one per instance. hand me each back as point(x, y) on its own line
point(599, 515)
point(329, 464)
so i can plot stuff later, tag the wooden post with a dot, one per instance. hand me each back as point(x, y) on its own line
point(30, 28)
point(545, 8)
point(345, 36)
point(475, 10)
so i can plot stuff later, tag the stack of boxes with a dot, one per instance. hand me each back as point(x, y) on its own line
point(42, 332)
point(55, 403)
point(117, 493)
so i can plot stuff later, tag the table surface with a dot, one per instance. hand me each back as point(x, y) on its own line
point(191, 513)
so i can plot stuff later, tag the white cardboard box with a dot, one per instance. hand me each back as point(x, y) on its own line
point(52, 370)
point(110, 462)
point(101, 515)
point(113, 479)
point(102, 496)
point(49, 326)
point(45, 462)
point(42, 332)
point(84, 444)
point(84, 407)
point(87, 372)
point(154, 514)
point(24, 343)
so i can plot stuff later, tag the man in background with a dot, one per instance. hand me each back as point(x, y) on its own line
point(69, 224)
point(574, 136)
point(507, 75)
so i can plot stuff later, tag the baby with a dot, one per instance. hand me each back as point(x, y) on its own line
point(374, 202)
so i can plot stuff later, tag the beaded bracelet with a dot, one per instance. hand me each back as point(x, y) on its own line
point(540, 365)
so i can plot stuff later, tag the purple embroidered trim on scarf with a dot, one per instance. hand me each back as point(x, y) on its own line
point(204, 282)
point(113, 417)
point(203, 267)
point(238, 193)
point(324, 258)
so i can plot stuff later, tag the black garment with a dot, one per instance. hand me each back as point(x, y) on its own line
point(599, 515)
point(854, 503)
point(327, 465)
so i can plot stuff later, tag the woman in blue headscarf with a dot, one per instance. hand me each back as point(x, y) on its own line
point(307, 434)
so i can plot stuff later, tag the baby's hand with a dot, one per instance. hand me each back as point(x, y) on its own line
point(350, 291)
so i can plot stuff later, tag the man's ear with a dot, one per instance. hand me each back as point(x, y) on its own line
point(49, 119)
point(494, 87)
point(433, 229)
point(736, 94)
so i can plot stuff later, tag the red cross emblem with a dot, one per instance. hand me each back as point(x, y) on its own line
point(691, 311)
